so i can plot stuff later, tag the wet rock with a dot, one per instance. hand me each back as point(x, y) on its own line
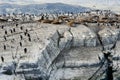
point(8, 68)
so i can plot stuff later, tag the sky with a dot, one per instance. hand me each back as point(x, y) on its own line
point(74, 2)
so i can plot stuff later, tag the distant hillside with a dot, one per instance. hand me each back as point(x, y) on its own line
point(41, 8)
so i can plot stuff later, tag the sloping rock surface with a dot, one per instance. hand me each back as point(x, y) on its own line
point(40, 49)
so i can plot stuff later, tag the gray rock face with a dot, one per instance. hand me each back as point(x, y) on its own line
point(56, 46)
point(83, 36)
point(108, 35)
point(8, 68)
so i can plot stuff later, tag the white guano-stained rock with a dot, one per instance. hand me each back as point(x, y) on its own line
point(108, 35)
point(83, 36)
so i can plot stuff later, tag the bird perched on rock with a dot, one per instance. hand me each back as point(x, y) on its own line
point(2, 58)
